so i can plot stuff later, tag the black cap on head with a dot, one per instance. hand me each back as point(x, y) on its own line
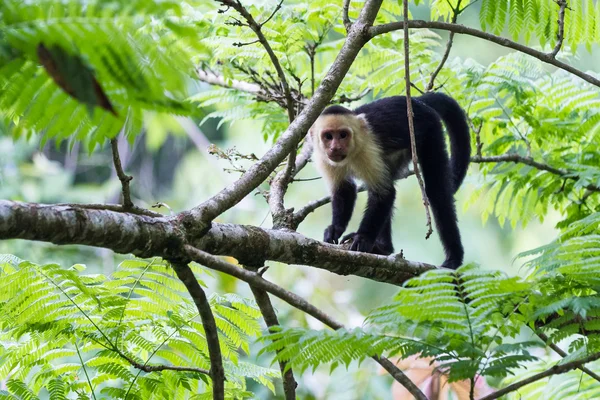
point(333, 110)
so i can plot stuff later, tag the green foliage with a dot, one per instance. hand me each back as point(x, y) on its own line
point(538, 17)
point(142, 53)
point(571, 385)
point(568, 301)
point(461, 319)
point(551, 118)
point(65, 332)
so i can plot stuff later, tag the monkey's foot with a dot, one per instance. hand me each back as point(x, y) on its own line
point(385, 249)
point(332, 234)
point(360, 242)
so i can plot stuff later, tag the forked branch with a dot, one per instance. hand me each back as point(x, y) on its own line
point(455, 12)
point(255, 279)
point(257, 29)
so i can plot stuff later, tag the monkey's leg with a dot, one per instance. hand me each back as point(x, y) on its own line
point(379, 209)
point(435, 165)
point(342, 202)
point(383, 244)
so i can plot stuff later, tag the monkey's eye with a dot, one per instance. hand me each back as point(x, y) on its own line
point(328, 136)
point(344, 134)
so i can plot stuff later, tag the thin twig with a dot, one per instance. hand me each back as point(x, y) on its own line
point(467, 6)
point(295, 301)
point(411, 127)
point(270, 317)
point(301, 214)
point(311, 51)
point(563, 354)
point(457, 28)
point(272, 14)
point(554, 370)
point(418, 89)
point(218, 80)
point(349, 99)
point(217, 373)
point(87, 377)
point(515, 158)
point(155, 368)
point(477, 130)
point(257, 29)
point(561, 27)
point(510, 120)
point(316, 178)
point(242, 44)
point(455, 12)
point(125, 179)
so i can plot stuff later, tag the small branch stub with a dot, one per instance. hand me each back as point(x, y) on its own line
point(124, 178)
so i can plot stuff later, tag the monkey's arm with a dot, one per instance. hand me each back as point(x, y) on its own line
point(379, 209)
point(342, 202)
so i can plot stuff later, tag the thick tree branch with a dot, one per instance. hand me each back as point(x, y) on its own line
point(554, 370)
point(457, 28)
point(563, 354)
point(201, 216)
point(124, 178)
point(121, 232)
point(217, 373)
point(252, 245)
point(296, 301)
point(149, 237)
point(411, 124)
point(266, 308)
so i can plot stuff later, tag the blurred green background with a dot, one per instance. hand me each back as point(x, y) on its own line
point(171, 165)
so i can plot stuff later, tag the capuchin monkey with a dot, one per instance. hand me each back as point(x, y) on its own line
point(372, 143)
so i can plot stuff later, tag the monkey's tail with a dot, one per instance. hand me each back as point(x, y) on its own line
point(460, 138)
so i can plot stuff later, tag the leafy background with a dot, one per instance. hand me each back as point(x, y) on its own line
point(75, 318)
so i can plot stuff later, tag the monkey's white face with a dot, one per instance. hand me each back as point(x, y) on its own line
point(333, 137)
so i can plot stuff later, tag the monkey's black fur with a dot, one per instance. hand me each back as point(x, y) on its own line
point(388, 121)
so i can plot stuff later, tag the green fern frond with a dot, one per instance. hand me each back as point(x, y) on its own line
point(134, 54)
point(133, 310)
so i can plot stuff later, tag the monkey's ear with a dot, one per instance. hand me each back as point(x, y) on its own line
point(364, 124)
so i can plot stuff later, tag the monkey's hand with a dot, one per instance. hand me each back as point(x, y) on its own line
point(332, 234)
point(360, 242)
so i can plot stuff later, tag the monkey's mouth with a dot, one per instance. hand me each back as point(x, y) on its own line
point(337, 157)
